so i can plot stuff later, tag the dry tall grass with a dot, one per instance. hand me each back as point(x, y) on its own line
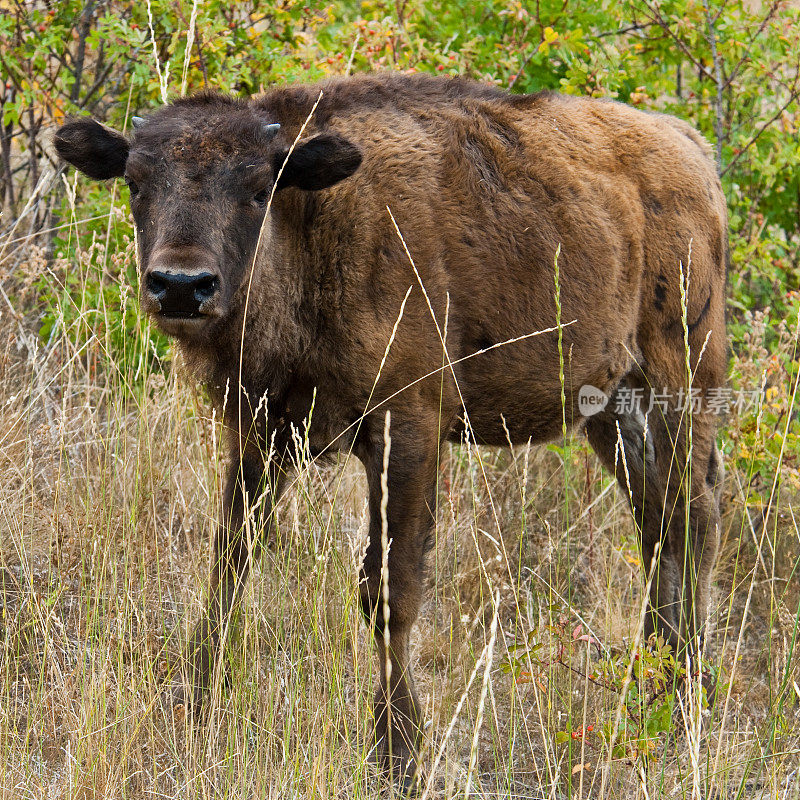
point(107, 500)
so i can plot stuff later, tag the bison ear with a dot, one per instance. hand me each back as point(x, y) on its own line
point(318, 163)
point(92, 148)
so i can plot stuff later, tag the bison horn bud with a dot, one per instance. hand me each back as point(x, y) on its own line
point(270, 128)
point(137, 122)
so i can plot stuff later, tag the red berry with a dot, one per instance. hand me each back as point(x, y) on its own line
point(440, 67)
point(42, 28)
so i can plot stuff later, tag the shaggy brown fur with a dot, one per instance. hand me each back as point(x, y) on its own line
point(485, 187)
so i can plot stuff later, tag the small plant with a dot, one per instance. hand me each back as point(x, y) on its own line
point(92, 300)
point(641, 682)
point(764, 439)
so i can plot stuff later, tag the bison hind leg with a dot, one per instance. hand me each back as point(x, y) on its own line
point(649, 456)
point(619, 436)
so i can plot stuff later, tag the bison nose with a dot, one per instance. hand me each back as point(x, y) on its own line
point(182, 294)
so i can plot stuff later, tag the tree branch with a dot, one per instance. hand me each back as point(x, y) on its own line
point(795, 94)
point(717, 61)
point(656, 18)
point(84, 26)
point(746, 57)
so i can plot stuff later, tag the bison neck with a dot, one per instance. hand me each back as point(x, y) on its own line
point(287, 341)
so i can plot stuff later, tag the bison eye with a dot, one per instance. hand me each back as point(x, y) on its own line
point(133, 186)
point(262, 198)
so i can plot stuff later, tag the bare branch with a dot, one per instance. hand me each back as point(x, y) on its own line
point(636, 26)
point(658, 19)
point(717, 61)
point(84, 26)
point(746, 57)
point(795, 94)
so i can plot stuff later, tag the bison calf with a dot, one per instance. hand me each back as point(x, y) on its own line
point(276, 264)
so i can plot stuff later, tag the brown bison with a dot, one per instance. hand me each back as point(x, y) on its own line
point(267, 246)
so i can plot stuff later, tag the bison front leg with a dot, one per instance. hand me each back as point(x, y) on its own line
point(401, 501)
point(251, 491)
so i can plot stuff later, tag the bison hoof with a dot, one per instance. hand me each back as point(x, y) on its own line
point(408, 785)
point(183, 698)
point(401, 772)
point(399, 768)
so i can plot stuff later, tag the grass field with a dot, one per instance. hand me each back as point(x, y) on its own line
point(108, 496)
point(527, 653)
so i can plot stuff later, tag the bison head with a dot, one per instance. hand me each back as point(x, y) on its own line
point(201, 172)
